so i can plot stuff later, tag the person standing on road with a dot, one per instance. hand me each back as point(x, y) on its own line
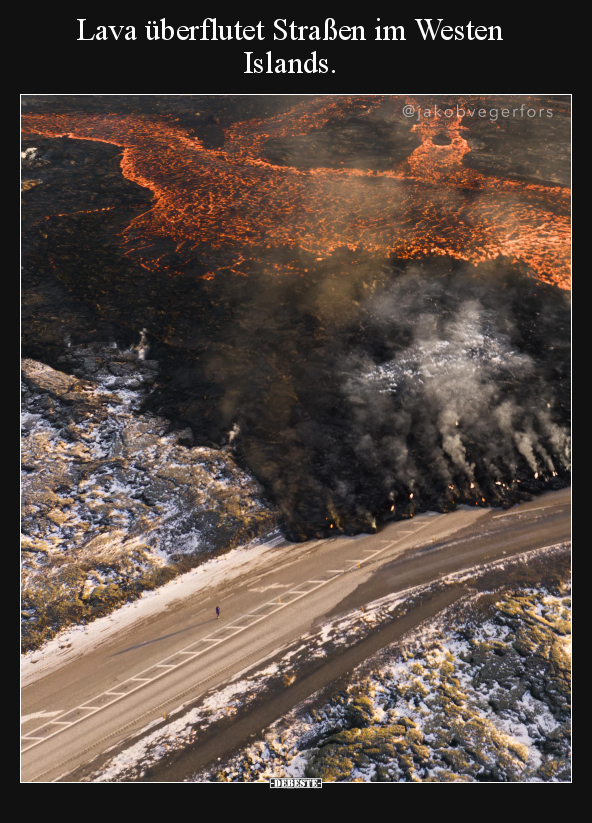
point(217, 612)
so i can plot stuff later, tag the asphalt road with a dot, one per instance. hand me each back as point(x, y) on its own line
point(154, 666)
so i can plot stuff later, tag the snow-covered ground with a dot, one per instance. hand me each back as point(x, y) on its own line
point(434, 648)
point(77, 640)
point(438, 708)
point(113, 501)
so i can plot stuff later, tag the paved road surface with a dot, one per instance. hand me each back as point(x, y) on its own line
point(153, 667)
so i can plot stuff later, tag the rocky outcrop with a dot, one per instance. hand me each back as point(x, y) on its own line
point(114, 502)
point(479, 695)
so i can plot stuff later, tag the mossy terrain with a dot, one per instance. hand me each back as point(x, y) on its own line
point(63, 597)
point(482, 696)
point(113, 502)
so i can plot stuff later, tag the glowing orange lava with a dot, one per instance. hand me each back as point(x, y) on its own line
point(224, 204)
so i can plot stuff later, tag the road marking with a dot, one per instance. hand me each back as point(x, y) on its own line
point(25, 718)
point(183, 694)
point(524, 511)
point(262, 589)
point(168, 667)
point(296, 559)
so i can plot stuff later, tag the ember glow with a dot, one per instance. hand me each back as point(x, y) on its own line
point(371, 313)
point(231, 200)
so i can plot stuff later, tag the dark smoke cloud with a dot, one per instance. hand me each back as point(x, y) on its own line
point(358, 392)
point(356, 389)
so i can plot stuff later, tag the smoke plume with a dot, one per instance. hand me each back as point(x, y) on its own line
point(360, 392)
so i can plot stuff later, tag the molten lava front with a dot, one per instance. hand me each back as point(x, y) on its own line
point(399, 336)
point(232, 201)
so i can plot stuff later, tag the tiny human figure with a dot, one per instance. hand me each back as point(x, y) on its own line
point(217, 612)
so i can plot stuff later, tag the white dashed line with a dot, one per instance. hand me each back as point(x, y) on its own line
point(260, 614)
point(524, 511)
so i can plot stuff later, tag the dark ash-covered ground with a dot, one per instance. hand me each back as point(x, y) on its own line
point(355, 389)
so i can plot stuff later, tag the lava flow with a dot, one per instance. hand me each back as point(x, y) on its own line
point(224, 206)
point(399, 337)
